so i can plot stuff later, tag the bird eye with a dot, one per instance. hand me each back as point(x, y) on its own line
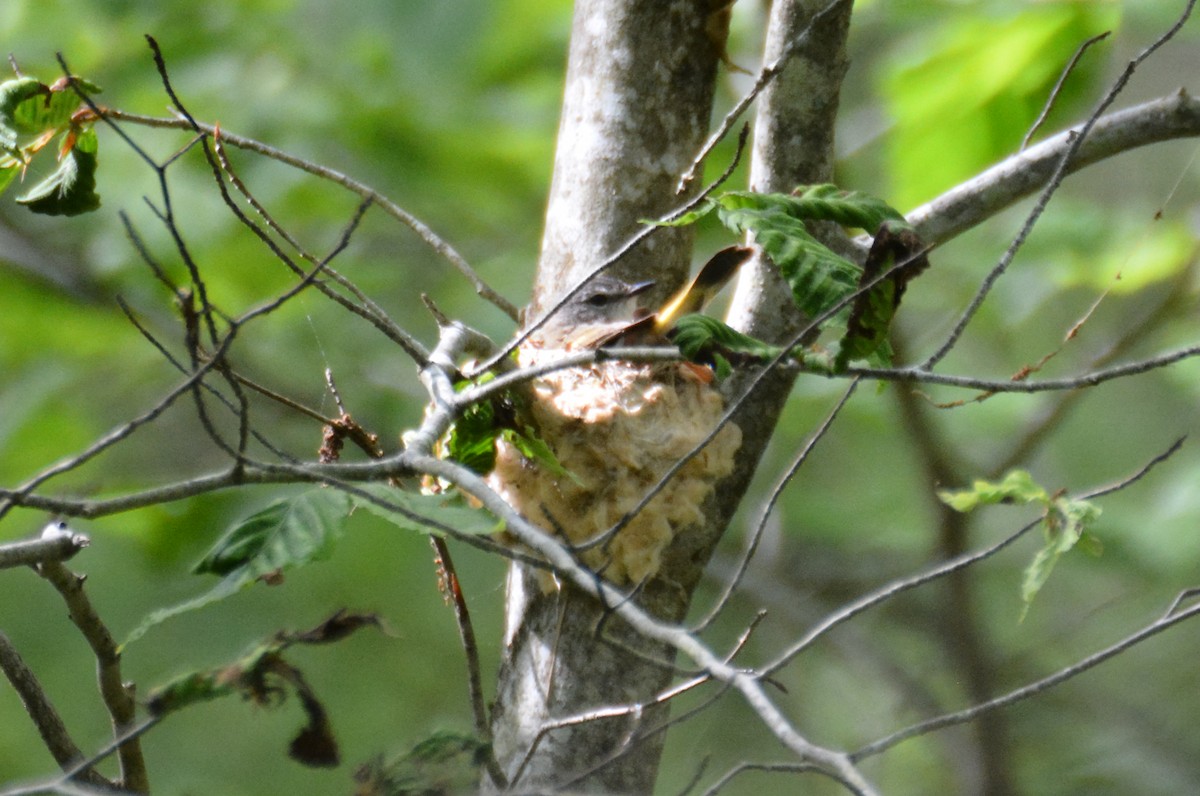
point(597, 300)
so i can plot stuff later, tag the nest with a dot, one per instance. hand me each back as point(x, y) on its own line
point(617, 427)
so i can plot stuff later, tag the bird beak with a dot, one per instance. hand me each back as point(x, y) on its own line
point(637, 288)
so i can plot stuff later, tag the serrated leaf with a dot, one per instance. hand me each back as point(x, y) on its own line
point(818, 277)
point(1065, 526)
point(847, 208)
point(1017, 486)
point(702, 339)
point(71, 189)
point(12, 94)
point(286, 534)
point(51, 110)
point(403, 509)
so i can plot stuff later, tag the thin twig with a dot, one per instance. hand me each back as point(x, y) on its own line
point(42, 712)
point(118, 699)
point(423, 231)
point(1016, 695)
point(1048, 192)
point(765, 76)
point(452, 590)
point(760, 526)
point(1058, 87)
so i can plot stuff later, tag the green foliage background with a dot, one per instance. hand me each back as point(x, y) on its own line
point(450, 109)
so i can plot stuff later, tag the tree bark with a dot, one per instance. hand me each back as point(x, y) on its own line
point(640, 81)
point(639, 89)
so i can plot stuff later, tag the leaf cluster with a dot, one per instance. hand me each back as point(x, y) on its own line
point(1065, 522)
point(827, 288)
point(32, 114)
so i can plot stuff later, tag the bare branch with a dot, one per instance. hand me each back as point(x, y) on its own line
point(978, 199)
point(1059, 173)
point(923, 376)
point(117, 696)
point(47, 720)
point(48, 547)
point(1062, 80)
point(969, 714)
point(423, 231)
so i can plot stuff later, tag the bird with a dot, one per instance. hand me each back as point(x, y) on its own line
point(616, 427)
point(604, 310)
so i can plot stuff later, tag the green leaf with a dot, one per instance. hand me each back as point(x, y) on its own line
point(1065, 527)
point(52, 110)
point(286, 534)
point(703, 339)
point(965, 89)
point(853, 209)
point(1018, 486)
point(71, 189)
point(12, 94)
point(9, 169)
point(472, 438)
point(535, 448)
point(405, 510)
point(819, 279)
point(688, 218)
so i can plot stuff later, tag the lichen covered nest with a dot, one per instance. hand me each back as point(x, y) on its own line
point(617, 427)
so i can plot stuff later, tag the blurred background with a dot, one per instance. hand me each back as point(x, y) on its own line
point(450, 109)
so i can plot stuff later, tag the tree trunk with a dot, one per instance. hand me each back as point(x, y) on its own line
point(638, 100)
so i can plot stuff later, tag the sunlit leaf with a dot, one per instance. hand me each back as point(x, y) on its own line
point(71, 189)
point(963, 96)
point(51, 110)
point(12, 94)
point(700, 337)
point(1017, 486)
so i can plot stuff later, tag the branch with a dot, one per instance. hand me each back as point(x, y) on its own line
point(962, 716)
point(427, 235)
point(922, 375)
point(968, 204)
point(1074, 144)
point(45, 718)
point(117, 696)
point(57, 543)
point(749, 685)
